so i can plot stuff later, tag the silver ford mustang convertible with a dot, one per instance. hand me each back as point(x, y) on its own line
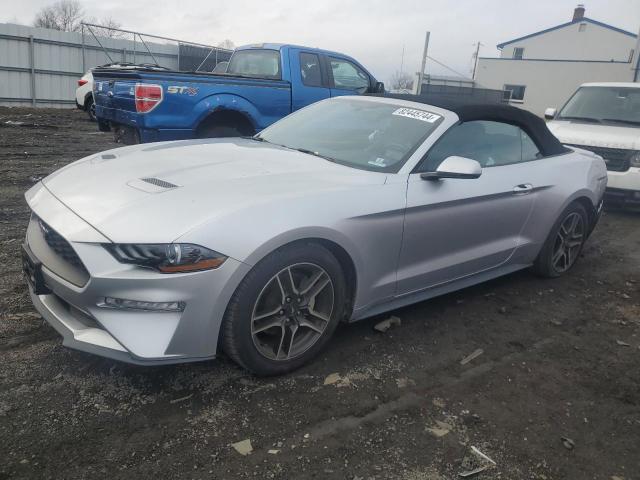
point(351, 207)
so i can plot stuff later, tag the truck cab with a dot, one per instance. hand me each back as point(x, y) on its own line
point(605, 119)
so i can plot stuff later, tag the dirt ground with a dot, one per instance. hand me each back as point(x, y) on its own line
point(561, 359)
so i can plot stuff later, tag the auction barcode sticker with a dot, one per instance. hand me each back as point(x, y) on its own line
point(417, 114)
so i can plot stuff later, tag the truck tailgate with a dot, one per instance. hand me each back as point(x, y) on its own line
point(115, 94)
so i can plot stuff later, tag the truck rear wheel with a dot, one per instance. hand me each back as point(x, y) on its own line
point(218, 131)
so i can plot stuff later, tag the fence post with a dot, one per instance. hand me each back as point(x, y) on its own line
point(84, 62)
point(33, 70)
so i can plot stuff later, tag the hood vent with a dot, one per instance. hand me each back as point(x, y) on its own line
point(159, 183)
point(152, 185)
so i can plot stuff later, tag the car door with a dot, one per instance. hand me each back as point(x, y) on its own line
point(309, 78)
point(459, 227)
point(347, 78)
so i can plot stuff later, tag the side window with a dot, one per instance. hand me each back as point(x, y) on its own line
point(530, 150)
point(490, 143)
point(310, 70)
point(516, 92)
point(348, 75)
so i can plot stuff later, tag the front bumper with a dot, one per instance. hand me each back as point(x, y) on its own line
point(623, 188)
point(133, 336)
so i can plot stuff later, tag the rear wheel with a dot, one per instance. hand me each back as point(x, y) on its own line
point(564, 244)
point(285, 310)
point(218, 131)
point(90, 108)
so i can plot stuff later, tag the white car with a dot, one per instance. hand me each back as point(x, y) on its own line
point(84, 95)
point(605, 119)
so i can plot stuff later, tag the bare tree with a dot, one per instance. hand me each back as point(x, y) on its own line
point(227, 44)
point(106, 26)
point(65, 15)
point(47, 18)
point(401, 81)
point(68, 15)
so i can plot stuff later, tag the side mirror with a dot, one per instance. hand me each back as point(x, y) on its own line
point(455, 167)
point(550, 113)
point(378, 87)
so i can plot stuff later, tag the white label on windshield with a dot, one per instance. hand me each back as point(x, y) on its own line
point(378, 162)
point(417, 114)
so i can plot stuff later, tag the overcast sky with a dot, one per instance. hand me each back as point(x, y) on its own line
point(373, 31)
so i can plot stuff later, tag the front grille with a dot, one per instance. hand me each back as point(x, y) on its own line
point(617, 159)
point(55, 253)
point(59, 245)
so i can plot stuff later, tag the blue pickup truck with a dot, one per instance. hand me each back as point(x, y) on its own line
point(262, 84)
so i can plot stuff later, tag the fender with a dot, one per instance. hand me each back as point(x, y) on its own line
point(225, 101)
point(306, 233)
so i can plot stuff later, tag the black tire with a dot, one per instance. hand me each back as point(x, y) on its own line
point(237, 338)
point(103, 125)
point(218, 131)
point(544, 264)
point(90, 108)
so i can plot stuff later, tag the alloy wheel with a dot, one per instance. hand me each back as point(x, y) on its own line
point(568, 242)
point(292, 311)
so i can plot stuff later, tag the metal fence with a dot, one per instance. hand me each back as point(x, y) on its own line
point(464, 94)
point(40, 67)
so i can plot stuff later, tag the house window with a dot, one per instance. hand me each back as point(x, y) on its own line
point(515, 92)
point(518, 52)
point(582, 27)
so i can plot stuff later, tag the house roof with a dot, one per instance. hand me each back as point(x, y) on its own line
point(579, 20)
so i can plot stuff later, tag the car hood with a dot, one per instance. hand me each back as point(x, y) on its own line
point(157, 192)
point(596, 135)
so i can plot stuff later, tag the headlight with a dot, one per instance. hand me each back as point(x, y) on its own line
point(166, 257)
point(634, 161)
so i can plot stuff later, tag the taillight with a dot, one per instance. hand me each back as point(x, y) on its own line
point(82, 81)
point(148, 97)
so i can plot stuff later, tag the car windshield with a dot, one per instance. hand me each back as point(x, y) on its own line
point(255, 63)
point(604, 105)
point(364, 134)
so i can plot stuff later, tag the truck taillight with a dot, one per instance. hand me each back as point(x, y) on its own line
point(82, 81)
point(148, 97)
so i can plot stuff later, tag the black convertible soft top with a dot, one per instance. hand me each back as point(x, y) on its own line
point(535, 127)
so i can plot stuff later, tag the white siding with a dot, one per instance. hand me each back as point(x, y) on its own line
point(548, 83)
point(568, 43)
point(64, 57)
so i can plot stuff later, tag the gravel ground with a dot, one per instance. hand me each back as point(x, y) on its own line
point(560, 360)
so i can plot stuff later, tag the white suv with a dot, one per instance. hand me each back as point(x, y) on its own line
point(605, 118)
point(84, 95)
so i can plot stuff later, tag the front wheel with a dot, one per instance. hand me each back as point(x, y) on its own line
point(564, 244)
point(285, 310)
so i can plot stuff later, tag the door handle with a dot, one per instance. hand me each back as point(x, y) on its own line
point(523, 188)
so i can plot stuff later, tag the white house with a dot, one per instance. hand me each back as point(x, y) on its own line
point(544, 68)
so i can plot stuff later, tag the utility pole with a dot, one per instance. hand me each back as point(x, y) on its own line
point(635, 60)
point(475, 60)
point(424, 63)
point(402, 60)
